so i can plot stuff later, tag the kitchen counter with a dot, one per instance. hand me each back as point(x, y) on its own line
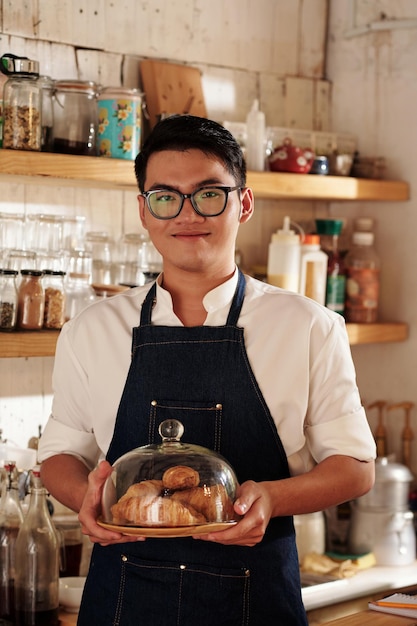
point(372, 618)
point(369, 582)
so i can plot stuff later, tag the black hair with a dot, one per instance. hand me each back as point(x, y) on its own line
point(188, 132)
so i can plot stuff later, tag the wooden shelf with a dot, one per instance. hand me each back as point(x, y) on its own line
point(43, 342)
point(64, 169)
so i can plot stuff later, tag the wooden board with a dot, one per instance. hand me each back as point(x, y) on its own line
point(170, 88)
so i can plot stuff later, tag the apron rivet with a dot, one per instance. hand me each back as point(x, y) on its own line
point(124, 558)
point(247, 572)
point(154, 403)
point(219, 406)
point(183, 567)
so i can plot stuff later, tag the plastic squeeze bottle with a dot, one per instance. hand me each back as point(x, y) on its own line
point(284, 258)
point(313, 269)
point(255, 143)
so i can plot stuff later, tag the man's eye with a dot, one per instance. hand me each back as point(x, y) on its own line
point(165, 197)
point(209, 193)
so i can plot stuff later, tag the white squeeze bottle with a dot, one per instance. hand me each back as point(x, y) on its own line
point(255, 143)
point(313, 269)
point(284, 258)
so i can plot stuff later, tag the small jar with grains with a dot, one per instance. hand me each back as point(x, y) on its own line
point(22, 103)
point(31, 300)
point(54, 314)
point(8, 299)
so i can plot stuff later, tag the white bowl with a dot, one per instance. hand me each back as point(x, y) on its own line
point(70, 592)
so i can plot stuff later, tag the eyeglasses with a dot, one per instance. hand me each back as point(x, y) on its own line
point(165, 204)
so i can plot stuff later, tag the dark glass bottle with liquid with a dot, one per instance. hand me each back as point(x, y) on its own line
point(329, 231)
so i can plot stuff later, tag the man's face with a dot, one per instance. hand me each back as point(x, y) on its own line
point(191, 242)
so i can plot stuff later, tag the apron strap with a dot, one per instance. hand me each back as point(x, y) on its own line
point(234, 312)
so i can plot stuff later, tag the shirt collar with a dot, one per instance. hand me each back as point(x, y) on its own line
point(214, 300)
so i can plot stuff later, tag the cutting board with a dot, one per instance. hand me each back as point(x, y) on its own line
point(170, 88)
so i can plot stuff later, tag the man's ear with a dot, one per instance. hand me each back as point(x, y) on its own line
point(246, 205)
point(142, 210)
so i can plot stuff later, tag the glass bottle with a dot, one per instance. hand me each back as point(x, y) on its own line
point(11, 519)
point(54, 313)
point(329, 231)
point(37, 562)
point(8, 299)
point(31, 300)
point(362, 288)
point(22, 103)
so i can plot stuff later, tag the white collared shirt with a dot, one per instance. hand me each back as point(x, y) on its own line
point(298, 350)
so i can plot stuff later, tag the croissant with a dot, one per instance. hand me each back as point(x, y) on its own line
point(180, 477)
point(155, 511)
point(144, 488)
point(212, 501)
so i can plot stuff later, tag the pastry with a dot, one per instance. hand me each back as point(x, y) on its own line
point(180, 477)
point(155, 511)
point(213, 502)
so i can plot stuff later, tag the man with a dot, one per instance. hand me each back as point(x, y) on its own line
point(276, 364)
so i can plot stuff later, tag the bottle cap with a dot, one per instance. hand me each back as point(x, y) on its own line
point(311, 239)
point(286, 234)
point(364, 224)
point(329, 227)
point(363, 239)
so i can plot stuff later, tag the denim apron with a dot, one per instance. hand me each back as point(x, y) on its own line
point(202, 377)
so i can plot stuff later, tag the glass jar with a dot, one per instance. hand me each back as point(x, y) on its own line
point(8, 299)
point(31, 300)
point(22, 103)
point(75, 117)
point(54, 313)
point(44, 232)
point(47, 88)
point(12, 228)
point(99, 245)
point(79, 294)
point(119, 122)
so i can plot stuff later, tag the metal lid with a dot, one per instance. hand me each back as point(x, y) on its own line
point(387, 471)
point(11, 64)
point(87, 87)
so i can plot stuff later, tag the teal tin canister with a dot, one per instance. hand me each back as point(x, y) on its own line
point(120, 122)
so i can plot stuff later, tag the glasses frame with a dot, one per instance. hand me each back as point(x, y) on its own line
point(184, 196)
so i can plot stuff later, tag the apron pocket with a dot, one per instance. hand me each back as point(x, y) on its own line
point(202, 421)
point(186, 594)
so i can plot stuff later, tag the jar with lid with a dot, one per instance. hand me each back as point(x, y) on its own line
point(54, 313)
point(22, 103)
point(31, 300)
point(8, 299)
point(119, 122)
point(47, 89)
point(362, 289)
point(75, 117)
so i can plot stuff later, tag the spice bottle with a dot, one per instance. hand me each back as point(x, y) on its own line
point(11, 518)
point(31, 300)
point(329, 231)
point(8, 299)
point(22, 103)
point(284, 258)
point(362, 289)
point(54, 313)
point(37, 562)
point(313, 269)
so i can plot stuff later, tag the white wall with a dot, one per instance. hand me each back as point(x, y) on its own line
point(375, 97)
